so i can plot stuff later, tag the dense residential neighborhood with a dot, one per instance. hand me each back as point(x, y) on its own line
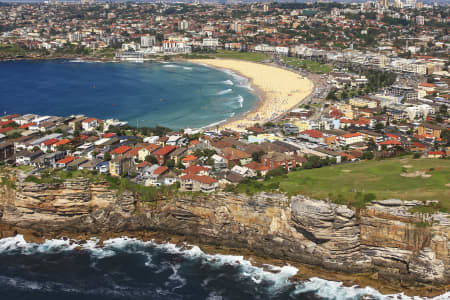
point(207, 160)
point(406, 36)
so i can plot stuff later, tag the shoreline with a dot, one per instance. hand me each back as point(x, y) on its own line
point(271, 84)
point(304, 273)
point(265, 87)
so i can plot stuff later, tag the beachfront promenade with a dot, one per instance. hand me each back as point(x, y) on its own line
point(280, 90)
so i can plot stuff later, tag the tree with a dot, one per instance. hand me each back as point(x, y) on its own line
point(107, 156)
point(367, 155)
point(151, 159)
point(379, 126)
point(256, 156)
point(170, 163)
point(279, 171)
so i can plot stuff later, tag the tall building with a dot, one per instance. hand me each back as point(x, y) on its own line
point(148, 41)
point(398, 4)
point(183, 25)
point(410, 3)
point(384, 3)
point(420, 20)
point(237, 27)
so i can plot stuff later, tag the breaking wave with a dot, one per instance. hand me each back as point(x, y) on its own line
point(224, 92)
point(229, 82)
point(240, 100)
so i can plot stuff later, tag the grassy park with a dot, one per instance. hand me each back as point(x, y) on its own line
point(228, 54)
point(358, 183)
point(312, 66)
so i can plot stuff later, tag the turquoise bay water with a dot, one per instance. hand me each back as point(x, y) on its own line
point(176, 95)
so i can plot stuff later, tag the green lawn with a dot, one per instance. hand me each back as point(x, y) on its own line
point(228, 54)
point(356, 183)
point(249, 56)
point(309, 65)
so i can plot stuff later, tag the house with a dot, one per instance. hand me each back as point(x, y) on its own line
point(103, 167)
point(120, 165)
point(178, 154)
point(75, 165)
point(168, 178)
point(89, 124)
point(155, 174)
point(350, 138)
point(90, 165)
point(142, 166)
point(120, 151)
point(243, 171)
point(435, 154)
point(196, 183)
point(375, 136)
point(147, 150)
point(258, 167)
point(6, 151)
point(290, 129)
point(75, 124)
point(275, 160)
point(196, 170)
point(312, 135)
point(177, 140)
point(61, 143)
point(62, 163)
point(232, 178)
point(236, 156)
point(388, 144)
point(430, 129)
point(162, 154)
point(47, 145)
point(25, 157)
point(189, 160)
point(220, 163)
point(48, 160)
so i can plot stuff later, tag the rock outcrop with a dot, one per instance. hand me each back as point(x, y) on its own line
point(384, 239)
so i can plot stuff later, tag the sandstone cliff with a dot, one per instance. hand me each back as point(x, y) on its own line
point(384, 239)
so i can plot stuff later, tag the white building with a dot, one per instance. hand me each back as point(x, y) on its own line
point(350, 138)
point(148, 41)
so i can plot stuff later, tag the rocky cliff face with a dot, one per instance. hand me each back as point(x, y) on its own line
point(384, 239)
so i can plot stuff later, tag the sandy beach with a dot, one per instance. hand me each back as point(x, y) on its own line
point(280, 90)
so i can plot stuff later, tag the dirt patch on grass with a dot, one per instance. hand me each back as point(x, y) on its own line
point(422, 174)
point(448, 184)
point(346, 171)
point(407, 166)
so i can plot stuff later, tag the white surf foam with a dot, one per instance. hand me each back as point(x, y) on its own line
point(243, 81)
point(224, 92)
point(170, 66)
point(240, 100)
point(333, 290)
point(213, 124)
point(187, 68)
point(228, 82)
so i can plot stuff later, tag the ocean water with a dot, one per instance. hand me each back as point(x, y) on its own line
point(176, 95)
point(125, 268)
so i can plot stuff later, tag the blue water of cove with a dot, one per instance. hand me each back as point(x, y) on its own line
point(176, 95)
